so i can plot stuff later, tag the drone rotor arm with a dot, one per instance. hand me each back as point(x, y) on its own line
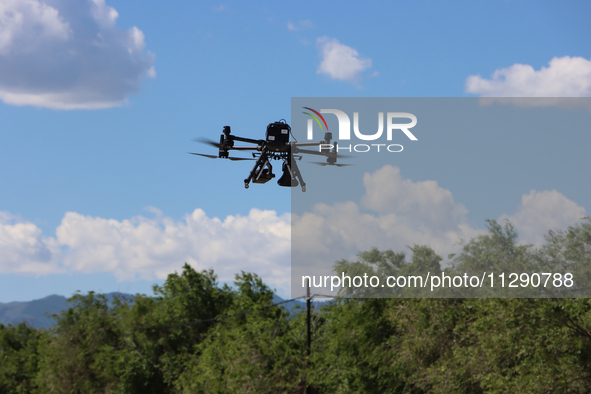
point(248, 140)
point(309, 143)
point(244, 147)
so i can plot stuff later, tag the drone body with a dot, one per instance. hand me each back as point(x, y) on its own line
point(275, 146)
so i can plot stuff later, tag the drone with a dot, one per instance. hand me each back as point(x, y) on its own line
point(275, 146)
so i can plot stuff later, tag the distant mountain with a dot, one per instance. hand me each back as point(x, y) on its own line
point(36, 313)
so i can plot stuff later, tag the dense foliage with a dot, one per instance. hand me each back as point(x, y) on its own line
point(376, 345)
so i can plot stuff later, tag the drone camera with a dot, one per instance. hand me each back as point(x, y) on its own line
point(264, 176)
point(286, 179)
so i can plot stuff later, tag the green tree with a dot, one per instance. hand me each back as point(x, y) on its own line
point(89, 352)
point(132, 347)
point(384, 264)
point(19, 355)
point(252, 352)
point(352, 348)
point(497, 252)
point(569, 252)
point(188, 297)
point(196, 336)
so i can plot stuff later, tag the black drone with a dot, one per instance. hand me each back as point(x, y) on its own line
point(275, 146)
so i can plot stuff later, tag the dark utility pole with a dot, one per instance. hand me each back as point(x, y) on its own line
point(308, 332)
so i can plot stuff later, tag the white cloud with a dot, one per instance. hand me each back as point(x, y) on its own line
point(427, 203)
point(340, 61)
point(564, 77)
point(29, 18)
point(69, 55)
point(24, 250)
point(543, 211)
point(394, 213)
point(153, 248)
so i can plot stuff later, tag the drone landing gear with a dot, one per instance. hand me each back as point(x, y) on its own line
point(262, 172)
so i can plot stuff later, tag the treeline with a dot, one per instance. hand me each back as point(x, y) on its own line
point(375, 345)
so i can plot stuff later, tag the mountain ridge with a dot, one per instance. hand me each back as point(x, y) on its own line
point(36, 313)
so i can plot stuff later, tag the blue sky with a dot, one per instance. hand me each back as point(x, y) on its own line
point(101, 101)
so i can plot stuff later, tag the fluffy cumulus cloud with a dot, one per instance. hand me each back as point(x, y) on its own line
point(430, 206)
point(69, 54)
point(24, 249)
point(150, 248)
point(396, 212)
point(339, 61)
point(564, 77)
point(543, 211)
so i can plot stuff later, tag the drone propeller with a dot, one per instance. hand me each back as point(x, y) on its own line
point(217, 145)
point(207, 141)
point(216, 157)
point(330, 164)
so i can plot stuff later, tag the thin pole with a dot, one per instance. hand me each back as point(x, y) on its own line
point(308, 332)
